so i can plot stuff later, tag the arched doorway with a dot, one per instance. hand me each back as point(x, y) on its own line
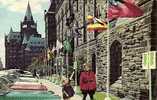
point(115, 61)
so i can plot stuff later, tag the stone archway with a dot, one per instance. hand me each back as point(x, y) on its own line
point(115, 61)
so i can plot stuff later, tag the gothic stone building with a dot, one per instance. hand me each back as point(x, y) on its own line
point(50, 25)
point(128, 40)
point(22, 46)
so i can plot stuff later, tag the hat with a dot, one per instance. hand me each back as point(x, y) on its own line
point(64, 78)
point(86, 65)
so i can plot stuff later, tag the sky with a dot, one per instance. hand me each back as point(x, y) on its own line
point(12, 12)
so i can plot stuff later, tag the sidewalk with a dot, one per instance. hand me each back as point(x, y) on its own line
point(57, 89)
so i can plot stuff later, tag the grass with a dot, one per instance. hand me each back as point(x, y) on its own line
point(102, 95)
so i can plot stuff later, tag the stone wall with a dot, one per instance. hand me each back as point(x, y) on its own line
point(134, 36)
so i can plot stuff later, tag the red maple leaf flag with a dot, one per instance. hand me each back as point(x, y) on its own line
point(123, 9)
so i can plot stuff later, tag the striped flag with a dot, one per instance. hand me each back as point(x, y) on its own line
point(67, 45)
point(123, 9)
point(97, 25)
point(59, 45)
point(53, 49)
point(50, 54)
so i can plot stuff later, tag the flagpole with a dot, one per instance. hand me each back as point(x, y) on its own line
point(108, 56)
point(75, 65)
point(75, 69)
point(67, 63)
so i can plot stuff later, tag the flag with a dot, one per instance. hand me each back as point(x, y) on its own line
point(58, 45)
point(53, 49)
point(77, 33)
point(98, 25)
point(50, 54)
point(67, 45)
point(123, 8)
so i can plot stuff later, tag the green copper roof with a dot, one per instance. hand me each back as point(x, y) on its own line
point(28, 13)
point(36, 41)
point(14, 36)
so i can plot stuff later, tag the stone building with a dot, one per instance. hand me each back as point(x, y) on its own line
point(22, 46)
point(127, 41)
point(50, 25)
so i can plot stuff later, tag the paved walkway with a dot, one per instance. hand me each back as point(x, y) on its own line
point(57, 89)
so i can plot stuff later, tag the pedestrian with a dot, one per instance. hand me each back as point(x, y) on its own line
point(67, 90)
point(34, 73)
point(87, 82)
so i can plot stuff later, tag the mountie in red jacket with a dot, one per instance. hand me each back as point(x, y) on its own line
point(87, 80)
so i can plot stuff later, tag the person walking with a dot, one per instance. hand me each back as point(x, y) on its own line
point(67, 90)
point(87, 82)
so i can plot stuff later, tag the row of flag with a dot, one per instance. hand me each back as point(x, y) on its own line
point(116, 9)
point(66, 47)
point(49, 53)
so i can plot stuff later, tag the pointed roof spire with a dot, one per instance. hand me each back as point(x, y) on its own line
point(11, 30)
point(28, 15)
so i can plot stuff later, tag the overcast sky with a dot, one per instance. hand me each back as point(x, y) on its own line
point(12, 12)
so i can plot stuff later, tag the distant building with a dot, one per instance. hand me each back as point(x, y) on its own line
point(22, 46)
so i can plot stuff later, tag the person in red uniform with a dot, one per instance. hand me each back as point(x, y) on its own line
point(87, 82)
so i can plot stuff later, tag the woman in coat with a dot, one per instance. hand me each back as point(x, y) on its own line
point(87, 82)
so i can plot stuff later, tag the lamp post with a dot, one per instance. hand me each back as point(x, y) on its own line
point(60, 60)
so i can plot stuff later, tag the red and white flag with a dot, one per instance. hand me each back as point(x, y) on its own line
point(123, 9)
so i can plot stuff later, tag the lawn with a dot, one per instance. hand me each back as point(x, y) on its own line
point(102, 95)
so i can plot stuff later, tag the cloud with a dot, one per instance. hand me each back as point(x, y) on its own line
point(37, 6)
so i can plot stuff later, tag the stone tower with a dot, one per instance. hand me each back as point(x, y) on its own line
point(28, 26)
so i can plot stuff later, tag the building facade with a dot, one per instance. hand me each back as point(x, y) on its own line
point(128, 39)
point(22, 46)
point(50, 25)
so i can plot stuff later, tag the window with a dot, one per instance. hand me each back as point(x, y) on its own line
point(77, 5)
point(24, 26)
point(66, 8)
